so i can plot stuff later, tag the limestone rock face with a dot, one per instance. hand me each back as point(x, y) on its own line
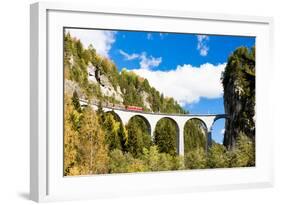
point(145, 99)
point(71, 86)
point(107, 89)
point(239, 96)
point(91, 74)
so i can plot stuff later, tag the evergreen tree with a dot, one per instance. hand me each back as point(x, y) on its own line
point(100, 109)
point(112, 136)
point(75, 101)
point(138, 137)
point(123, 135)
point(194, 135)
point(165, 136)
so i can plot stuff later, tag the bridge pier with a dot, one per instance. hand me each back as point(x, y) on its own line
point(181, 141)
point(209, 140)
point(153, 124)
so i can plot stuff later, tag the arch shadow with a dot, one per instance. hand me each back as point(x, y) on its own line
point(202, 121)
point(205, 128)
point(146, 122)
point(115, 115)
point(177, 131)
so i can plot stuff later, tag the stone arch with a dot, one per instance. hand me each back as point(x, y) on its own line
point(115, 115)
point(199, 119)
point(217, 118)
point(177, 131)
point(205, 127)
point(175, 122)
point(148, 125)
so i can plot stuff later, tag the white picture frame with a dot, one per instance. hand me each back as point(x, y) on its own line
point(47, 182)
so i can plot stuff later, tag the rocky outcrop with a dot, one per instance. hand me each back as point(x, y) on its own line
point(107, 89)
point(239, 96)
point(71, 86)
point(146, 103)
point(92, 74)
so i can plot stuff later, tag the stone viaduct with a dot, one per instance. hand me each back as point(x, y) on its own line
point(152, 118)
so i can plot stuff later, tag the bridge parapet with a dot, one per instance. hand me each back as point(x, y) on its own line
point(122, 108)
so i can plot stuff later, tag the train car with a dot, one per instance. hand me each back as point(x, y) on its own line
point(134, 108)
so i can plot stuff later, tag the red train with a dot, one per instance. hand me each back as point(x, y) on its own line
point(134, 108)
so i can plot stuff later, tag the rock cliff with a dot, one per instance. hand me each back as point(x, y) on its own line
point(239, 95)
point(107, 89)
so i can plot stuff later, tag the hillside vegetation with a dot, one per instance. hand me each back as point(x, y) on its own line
point(96, 142)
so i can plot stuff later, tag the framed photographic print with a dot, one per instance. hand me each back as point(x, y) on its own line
point(126, 102)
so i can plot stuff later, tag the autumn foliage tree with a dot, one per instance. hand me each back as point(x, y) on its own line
point(95, 152)
point(71, 139)
point(112, 133)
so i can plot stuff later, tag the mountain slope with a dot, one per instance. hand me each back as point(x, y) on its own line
point(97, 77)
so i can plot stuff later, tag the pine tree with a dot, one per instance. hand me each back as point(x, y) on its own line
point(138, 136)
point(112, 128)
point(100, 109)
point(95, 152)
point(75, 101)
point(165, 136)
point(194, 135)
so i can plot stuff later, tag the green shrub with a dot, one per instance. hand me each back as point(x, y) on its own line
point(218, 157)
point(195, 159)
point(243, 155)
point(118, 162)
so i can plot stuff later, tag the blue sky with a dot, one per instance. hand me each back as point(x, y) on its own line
point(184, 66)
point(175, 49)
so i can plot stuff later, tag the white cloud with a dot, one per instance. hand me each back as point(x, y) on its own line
point(187, 84)
point(202, 46)
point(149, 36)
point(129, 56)
point(162, 35)
point(222, 131)
point(100, 39)
point(149, 62)
point(146, 62)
